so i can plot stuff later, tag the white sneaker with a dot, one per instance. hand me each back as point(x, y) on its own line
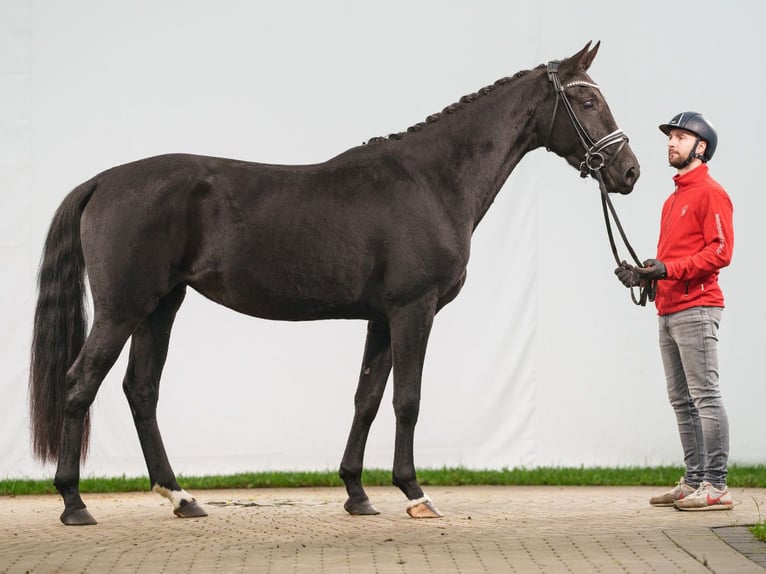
point(706, 497)
point(681, 491)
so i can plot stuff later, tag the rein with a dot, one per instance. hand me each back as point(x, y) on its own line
point(592, 164)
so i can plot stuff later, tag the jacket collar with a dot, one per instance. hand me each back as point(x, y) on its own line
point(692, 177)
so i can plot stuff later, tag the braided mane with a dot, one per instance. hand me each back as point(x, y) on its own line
point(451, 109)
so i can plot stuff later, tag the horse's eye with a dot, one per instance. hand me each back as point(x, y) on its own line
point(587, 105)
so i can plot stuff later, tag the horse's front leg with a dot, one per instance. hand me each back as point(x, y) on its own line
point(410, 329)
point(376, 366)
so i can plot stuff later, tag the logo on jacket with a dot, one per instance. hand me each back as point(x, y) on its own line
point(684, 209)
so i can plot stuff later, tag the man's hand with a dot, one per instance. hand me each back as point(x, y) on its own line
point(628, 275)
point(653, 269)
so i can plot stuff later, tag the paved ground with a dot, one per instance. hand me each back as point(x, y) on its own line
point(485, 529)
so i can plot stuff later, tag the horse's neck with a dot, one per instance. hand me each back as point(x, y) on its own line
point(474, 150)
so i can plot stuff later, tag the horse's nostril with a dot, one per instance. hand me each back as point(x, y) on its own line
point(632, 174)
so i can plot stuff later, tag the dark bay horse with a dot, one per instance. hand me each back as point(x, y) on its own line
point(380, 233)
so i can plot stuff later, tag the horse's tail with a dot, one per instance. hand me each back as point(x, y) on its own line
point(60, 324)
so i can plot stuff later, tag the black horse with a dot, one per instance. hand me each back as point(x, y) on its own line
point(382, 233)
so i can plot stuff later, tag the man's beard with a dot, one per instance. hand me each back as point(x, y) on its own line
point(677, 161)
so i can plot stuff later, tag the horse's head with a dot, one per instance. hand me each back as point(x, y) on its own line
point(582, 129)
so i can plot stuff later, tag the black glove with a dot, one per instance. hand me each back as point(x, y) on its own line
point(628, 275)
point(653, 269)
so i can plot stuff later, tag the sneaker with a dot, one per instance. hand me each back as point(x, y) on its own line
point(706, 497)
point(681, 491)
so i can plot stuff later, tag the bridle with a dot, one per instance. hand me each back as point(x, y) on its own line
point(594, 159)
point(592, 164)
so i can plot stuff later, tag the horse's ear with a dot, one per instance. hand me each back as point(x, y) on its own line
point(586, 55)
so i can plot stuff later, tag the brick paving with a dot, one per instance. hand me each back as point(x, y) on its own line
point(485, 529)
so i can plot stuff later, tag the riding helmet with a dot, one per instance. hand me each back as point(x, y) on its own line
point(697, 124)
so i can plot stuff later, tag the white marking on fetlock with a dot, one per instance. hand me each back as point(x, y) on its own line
point(415, 502)
point(174, 496)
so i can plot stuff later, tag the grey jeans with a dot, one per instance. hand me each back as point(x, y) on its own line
point(689, 348)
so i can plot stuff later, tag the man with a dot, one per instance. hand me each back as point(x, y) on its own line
point(696, 241)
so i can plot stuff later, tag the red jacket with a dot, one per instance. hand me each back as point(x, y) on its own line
point(696, 241)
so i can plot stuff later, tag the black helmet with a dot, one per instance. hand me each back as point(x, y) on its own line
point(697, 124)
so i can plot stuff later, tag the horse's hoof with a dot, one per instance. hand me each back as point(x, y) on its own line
point(424, 509)
point(189, 509)
point(363, 508)
point(78, 517)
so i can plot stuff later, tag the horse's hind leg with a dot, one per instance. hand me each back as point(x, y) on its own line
point(98, 354)
point(148, 351)
point(376, 366)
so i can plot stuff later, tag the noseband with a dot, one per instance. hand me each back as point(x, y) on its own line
point(592, 164)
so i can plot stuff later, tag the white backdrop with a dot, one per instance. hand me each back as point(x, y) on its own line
point(542, 359)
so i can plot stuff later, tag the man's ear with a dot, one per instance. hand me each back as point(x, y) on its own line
point(701, 147)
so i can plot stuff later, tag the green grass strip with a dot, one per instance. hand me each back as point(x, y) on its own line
point(739, 476)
